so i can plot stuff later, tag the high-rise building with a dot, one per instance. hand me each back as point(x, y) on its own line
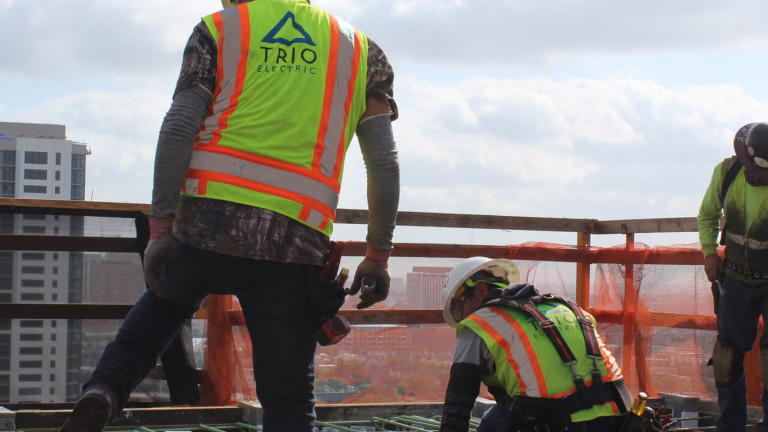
point(424, 287)
point(40, 358)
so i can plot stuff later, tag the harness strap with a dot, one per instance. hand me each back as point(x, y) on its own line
point(730, 175)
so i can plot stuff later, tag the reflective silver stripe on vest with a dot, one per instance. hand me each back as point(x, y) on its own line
point(337, 115)
point(751, 243)
point(267, 175)
point(516, 350)
point(231, 39)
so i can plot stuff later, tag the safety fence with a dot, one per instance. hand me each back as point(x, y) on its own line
point(653, 304)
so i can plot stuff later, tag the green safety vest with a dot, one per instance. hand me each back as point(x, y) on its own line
point(745, 247)
point(290, 91)
point(527, 362)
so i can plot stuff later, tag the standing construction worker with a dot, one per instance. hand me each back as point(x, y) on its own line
point(539, 355)
point(269, 97)
point(738, 191)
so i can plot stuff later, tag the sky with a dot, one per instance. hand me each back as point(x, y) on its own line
point(569, 109)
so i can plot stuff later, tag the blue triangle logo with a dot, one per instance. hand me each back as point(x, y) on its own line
point(271, 37)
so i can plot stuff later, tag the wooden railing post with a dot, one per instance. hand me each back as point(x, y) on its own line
point(629, 318)
point(583, 240)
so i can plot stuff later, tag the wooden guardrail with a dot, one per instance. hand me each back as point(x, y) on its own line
point(580, 254)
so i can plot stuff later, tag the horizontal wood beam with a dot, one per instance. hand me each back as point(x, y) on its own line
point(67, 243)
point(357, 317)
point(659, 225)
point(659, 319)
point(64, 310)
point(68, 207)
point(404, 218)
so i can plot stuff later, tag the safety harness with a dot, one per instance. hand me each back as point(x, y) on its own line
point(730, 175)
point(556, 412)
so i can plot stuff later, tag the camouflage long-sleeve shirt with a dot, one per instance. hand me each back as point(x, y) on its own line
point(240, 230)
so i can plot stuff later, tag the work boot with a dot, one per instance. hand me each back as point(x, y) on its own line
point(91, 413)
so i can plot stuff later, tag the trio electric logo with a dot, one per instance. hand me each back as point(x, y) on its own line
point(296, 54)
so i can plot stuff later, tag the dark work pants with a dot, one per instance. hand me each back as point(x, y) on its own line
point(270, 295)
point(496, 419)
point(179, 368)
point(738, 314)
point(179, 358)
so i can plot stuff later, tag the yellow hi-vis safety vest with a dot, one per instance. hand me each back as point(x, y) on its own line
point(747, 247)
point(527, 362)
point(289, 94)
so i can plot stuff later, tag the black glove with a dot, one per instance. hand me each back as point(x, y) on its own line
point(377, 279)
point(159, 253)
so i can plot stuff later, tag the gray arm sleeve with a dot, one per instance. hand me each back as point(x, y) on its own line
point(174, 148)
point(377, 144)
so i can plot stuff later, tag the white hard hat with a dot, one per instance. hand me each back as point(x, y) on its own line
point(458, 275)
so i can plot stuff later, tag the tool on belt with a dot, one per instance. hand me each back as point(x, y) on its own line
point(327, 297)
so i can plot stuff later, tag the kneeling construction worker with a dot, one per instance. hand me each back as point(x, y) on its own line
point(539, 355)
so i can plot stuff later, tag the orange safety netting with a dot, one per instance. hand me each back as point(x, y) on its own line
point(653, 305)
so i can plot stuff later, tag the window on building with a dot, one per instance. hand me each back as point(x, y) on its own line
point(31, 364)
point(27, 391)
point(33, 256)
point(8, 157)
point(32, 297)
point(78, 177)
point(35, 157)
point(30, 377)
point(53, 352)
point(54, 297)
point(33, 229)
point(53, 363)
point(35, 174)
point(57, 175)
point(58, 158)
point(8, 173)
point(31, 351)
point(7, 189)
point(33, 216)
point(32, 269)
point(31, 323)
point(78, 161)
point(32, 283)
point(52, 377)
point(31, 337)
point(57, 190)
point(78, 192)
point(35, 189)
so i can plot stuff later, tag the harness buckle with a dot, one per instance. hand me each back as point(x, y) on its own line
point(577, 377)
point(546, 324)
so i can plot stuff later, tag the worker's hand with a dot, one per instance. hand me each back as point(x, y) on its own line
point(713, 266)
point(160, 252)
point(373, 271)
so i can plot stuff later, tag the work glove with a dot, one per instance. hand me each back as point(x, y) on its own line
point(373, 271)
point(159, 253)
point(713, 266)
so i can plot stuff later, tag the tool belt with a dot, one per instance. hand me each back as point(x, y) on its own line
point(533, 413)
point(738, 269)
